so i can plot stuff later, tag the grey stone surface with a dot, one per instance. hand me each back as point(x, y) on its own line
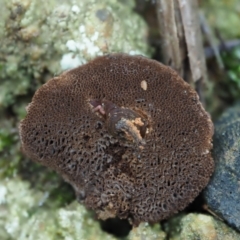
point(198, 227)
point(223, 192)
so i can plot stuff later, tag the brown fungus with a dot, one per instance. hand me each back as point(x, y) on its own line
point(127, 132)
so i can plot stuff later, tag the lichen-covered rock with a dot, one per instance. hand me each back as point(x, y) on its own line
point(144, 231)
point(13, 163)
point(36, 39)
point(24, 215)
point(42, 38)
point(223, 192)
point(199, 226)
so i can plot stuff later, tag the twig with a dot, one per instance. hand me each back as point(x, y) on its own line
point(211, 39)
point(169, 35)
point(225, 46)
point(208, 50)
point(189, 13)
point(197, 61)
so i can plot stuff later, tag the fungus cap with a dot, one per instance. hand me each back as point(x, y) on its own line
point(126, 132)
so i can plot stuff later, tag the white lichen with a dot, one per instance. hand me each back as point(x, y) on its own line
point(81, 28)
point(75, 9)
point(70, 60)
point(72, 45)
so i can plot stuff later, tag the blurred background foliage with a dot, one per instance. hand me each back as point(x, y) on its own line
point(223, 15)
point(231, 61)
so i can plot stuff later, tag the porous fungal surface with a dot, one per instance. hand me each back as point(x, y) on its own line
point(132, 150)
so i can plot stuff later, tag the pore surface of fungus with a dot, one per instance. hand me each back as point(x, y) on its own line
point(127, 132)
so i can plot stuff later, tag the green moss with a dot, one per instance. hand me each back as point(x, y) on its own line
point(9, 148)
point(224, 16)
point(231, 62)
point(5, 140)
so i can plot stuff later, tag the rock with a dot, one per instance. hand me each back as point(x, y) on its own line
point(145, 231)
point(24, 215)
point(199, 226)
point(223, 192)
point(40, 39)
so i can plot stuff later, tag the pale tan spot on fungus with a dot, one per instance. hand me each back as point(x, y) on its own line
point(144, 85)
